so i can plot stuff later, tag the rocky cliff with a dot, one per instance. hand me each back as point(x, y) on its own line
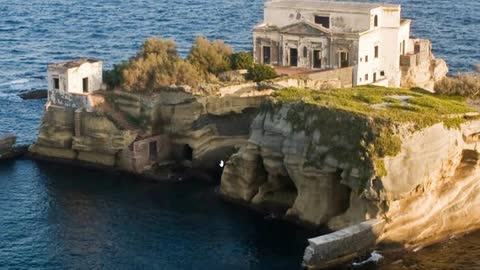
point(90, 137)
point(202, 127)
point(345, 156)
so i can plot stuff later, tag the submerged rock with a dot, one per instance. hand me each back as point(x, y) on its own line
point(34, 94)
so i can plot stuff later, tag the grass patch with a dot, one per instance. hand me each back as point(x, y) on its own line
point(422, 110)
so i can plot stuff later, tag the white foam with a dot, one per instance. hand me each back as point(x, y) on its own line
point(375, 257)
point(19, 81)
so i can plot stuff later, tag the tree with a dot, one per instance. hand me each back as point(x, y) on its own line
point(114, 77)
point(210, 56)
point(261, 72)
point(241, 60)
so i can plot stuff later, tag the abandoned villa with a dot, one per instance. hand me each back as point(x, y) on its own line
point(319, 35)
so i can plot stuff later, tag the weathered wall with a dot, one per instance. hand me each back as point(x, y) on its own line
point(420, 68)
point(92, 71)
point(139, 157)
point(74, 101)
point(280, 16)
point(344, 75)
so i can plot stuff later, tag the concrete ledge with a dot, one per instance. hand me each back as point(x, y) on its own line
point(341, 246)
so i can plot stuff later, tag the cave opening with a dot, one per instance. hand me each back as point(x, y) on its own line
point(343, 194)
point(187, 153)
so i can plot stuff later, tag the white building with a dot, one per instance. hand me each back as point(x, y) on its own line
point(322, 35)
point(80, 76)
point(70, 83)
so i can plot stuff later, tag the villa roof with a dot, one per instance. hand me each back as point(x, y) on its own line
point(328, 5)
point(72, 63)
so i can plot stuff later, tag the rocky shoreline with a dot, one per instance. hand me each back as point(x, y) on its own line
point(8, 149)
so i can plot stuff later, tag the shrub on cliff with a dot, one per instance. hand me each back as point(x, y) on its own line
point(157, 66)
point(241, 60)
point(261, 72)
point(465, 84)
point(210, 56)
point(187, 74)
point(114, 77)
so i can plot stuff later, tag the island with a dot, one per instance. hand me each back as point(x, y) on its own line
point(337, 118)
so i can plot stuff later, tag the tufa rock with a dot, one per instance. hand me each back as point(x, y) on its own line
point(34, 94)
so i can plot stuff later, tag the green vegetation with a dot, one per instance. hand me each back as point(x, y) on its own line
point(114, 77)
point(261, 72)
point(241, 60)
point(360, 125)
point(422, 109)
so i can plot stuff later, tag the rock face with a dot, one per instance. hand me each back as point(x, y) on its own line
point(203, 129)
point(6, 146)
point(90, 137)
point(323, 171)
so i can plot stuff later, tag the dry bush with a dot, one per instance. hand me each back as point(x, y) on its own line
point(464, 84)
point(210, 56)
point(187, 74)
point(157, 66)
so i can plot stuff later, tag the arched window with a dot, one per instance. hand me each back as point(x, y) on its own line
point(375, 21)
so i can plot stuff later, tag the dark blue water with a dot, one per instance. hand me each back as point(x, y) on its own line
point(52, 217)
point(55, 217)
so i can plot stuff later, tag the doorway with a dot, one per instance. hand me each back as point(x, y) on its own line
point(344, 59)
point(267, 55)
point(293, 57)
point(317, 59)
point(85, 85)
point(153, 150)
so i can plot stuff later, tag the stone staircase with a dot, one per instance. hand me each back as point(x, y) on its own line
point(119, 119)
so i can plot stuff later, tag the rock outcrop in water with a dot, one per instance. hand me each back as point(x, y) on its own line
point(345, 156)
point(196, 126)
point(6, 146)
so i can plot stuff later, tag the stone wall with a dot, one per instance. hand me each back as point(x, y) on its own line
point(138, 157)
point(69, 100)
point(342, 246)
point(344, 75)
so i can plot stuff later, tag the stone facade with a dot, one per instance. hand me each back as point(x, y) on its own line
point(329, 35)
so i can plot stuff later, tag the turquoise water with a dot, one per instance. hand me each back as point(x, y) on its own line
point(56, 217)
